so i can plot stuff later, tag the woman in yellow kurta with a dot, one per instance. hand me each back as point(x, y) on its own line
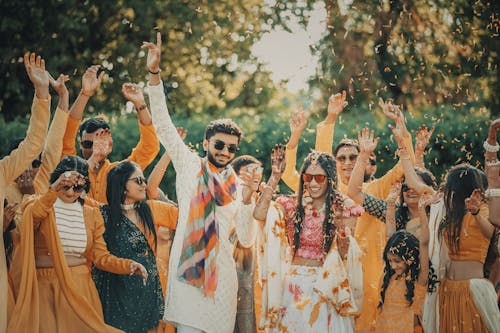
point(60, 238)
point(13, 165)
point(132, 228)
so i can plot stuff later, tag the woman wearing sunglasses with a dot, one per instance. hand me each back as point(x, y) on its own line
point(66, 237)
point(135, 229)
point(320, 289)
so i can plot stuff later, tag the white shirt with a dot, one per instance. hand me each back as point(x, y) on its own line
point(185, 304)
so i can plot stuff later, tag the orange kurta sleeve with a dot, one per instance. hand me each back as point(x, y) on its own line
point(290, 176)
point(164, 214)
point(51, 154)
point(69, 138)
point(147, 148)
point(100, 255)
point(324, 137)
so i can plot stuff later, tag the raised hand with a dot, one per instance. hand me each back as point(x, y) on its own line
point(68, 179)
point(138, 269)
point(278, 161)
point(91, 81)
point(367, 141)
point(336, 104)
point(492, 171)
point(390, 110)
point(35, 67)
point(182, 132)
point(133, 93)
point(298, 121)
point(102, 146)
point(154, 54)
point(428, 199)
point(474, 202)
point(423, 137)
point(395, 192)
point(59, 86)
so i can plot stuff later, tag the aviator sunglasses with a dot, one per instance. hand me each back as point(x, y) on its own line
point(139, 180)
point(343, 158)
point(219, 145)
point(87, 144)
point(318, 178)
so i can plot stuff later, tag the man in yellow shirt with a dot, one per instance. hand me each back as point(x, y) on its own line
point(94, 135)
point(370, 232)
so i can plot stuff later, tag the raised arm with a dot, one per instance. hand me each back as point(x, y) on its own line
point(51, 154)
point(367, 144)
point(390, 217)
point(298, 123)
point(29, 149)
point(278, 167)
point(422, 139)
point(425, 201)
point(91, 81)
point(165, 129)
point(476, 205)
point(325, 129)
point(156, 176)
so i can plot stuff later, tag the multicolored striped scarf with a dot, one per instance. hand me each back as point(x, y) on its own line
point(198, 264)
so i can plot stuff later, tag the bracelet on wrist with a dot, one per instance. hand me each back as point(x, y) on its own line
point(476, 212)
point(491, 148)
point(141, 107)
point(82, 92)
point(492, 192)
point(154, 73)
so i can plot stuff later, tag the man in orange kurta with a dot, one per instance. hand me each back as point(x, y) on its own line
point(94, 135)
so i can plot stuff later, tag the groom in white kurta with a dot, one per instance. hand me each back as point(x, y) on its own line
point(186, 305)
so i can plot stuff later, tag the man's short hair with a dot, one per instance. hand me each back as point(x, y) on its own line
point(243, 160)
point(224, 125)
point(93, 124)
point(346, 143)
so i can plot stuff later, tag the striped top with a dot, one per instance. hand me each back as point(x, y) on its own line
point(71, 227)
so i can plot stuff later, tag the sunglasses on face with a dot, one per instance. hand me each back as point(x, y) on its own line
point(87, 144)
point(343, 158)
point(139, 180)
point(76, 188)
point(404, 188)
point(306, 177)
point(373, 162)
point(36, 163)
point(219, 145)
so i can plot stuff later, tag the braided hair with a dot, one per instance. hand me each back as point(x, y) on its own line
point(334, 203)
point(406, 246)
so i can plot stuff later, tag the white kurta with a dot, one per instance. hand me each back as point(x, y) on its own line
point(185, 304)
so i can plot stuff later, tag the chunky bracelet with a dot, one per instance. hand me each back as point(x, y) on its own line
point(490, 148)
point(142, 107)
point(492, 192)
point(476, 212)
point(154, 73)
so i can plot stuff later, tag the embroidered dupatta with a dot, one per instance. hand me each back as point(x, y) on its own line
point(197, 264)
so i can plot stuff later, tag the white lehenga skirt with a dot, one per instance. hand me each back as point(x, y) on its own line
point(303, 309)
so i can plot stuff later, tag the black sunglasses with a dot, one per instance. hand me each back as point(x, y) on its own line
point(219, 145)
point(404, 188)
point(76, 188)
point(343, 158)
point(139, 180)
point(306, 177)
point(87, 144)
point(36, 163)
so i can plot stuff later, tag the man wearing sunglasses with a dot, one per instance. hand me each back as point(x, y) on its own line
point(202, 280)
point(94, 134)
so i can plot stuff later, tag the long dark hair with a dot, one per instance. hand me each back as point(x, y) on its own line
point(72, 163)
point(406, 246)
point(461, 181)
point(404, 213)
point(334, 204)
point(116, 194)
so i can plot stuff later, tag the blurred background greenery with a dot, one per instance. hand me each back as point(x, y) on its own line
point(437, 58)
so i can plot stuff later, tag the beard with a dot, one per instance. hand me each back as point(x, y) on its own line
point(212, 160)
